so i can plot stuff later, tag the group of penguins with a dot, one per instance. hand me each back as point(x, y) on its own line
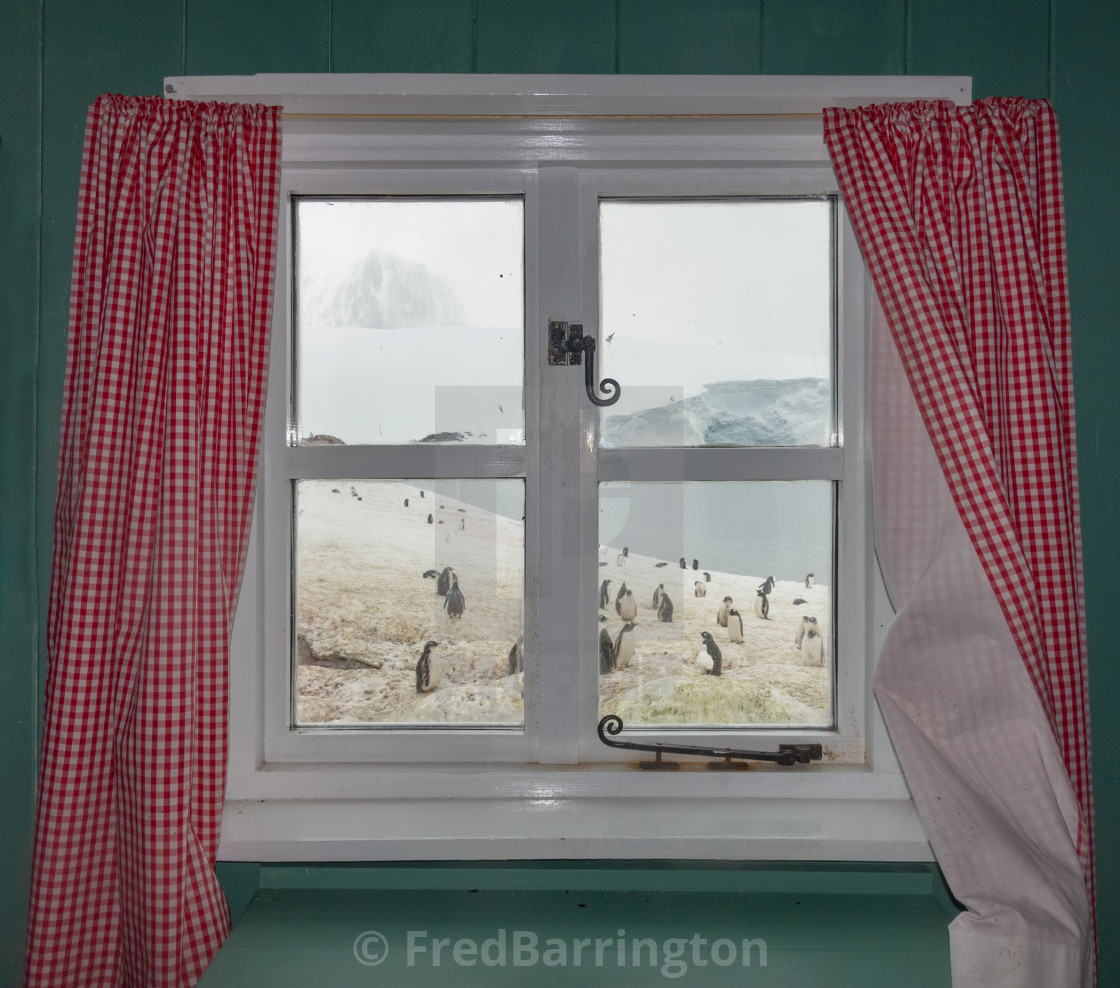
point(617, 652)
point(429, 668)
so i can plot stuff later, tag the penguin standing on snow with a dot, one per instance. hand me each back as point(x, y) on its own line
point(628, 607)
point(618, 599)
point(762, 604)
point(624, 646)
point(734, 626)
point(429, 670)
point(517, 657)
point(606, 653)
point(657, 595)
point(665, 609)
point(455, 604)
point(696, 564)
point(605, 594)
point(699, 589)
point(443, 581)
point(622, 555)
point(767, 586)
point(724, 610)
point(709, 659)
point(808, 580)
point(812, 648)
point(684, 565)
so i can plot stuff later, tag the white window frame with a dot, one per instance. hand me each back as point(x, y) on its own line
point(554, 792)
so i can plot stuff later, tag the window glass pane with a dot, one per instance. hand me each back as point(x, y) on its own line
point(717, 322)
point(698, 544)
point(385, 567)
point(409, 319)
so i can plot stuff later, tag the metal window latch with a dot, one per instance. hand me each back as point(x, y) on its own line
point(787, 754)
point(566, 344)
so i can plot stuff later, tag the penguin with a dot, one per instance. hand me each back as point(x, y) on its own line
point(623, 646)
point(659, 565)
point(808, 580)
point(767, 586)
point(799, 600)
point(516, 659)
point(606, 653)
point(431, 574)
point(462, 524)
point(721, 614)
point(812, 648)
point(684, 565)
point(335, 490)
point(657, 595)
point(454, 604)
point(618, 599)
point(429, 670)
point(421, 493)
point(353, 491)
point(430, 519)
point(762, 604)
point(605, 594)
point(628, 607)
point(406, 502)
point(695, 564)
point(707, 577)
point(807, 624)
point(700, 590)
point(734, 626)
point(443, 582)
point(709, 659)
point(665, 609)
point(622, 556)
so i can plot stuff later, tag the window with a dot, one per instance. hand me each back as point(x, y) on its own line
point(418, 438)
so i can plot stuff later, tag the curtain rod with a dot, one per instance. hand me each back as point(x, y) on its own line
point(552, 116)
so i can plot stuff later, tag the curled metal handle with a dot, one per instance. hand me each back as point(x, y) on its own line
point(608, 385)
point(787, 754)
point(566, 346)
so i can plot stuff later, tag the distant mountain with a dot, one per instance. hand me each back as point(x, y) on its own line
point(382, 291)
point(793, 412)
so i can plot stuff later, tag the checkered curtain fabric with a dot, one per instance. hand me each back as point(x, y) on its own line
point(959, 213)
point(170, 308)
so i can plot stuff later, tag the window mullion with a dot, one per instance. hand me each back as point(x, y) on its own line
point(560, 598)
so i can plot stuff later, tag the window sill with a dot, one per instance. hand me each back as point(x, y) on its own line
point(739, 829)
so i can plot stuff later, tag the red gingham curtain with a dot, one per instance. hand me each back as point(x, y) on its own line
point(959, 213)
point(165, 381)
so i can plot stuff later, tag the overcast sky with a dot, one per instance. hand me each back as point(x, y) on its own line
point(691, 293)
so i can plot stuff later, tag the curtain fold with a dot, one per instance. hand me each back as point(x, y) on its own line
point(959, 214)
point(170, 307)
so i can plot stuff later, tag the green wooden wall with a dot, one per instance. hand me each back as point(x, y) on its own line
point(56, 56)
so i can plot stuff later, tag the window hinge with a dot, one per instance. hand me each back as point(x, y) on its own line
point(566, 343)
point(787, 754)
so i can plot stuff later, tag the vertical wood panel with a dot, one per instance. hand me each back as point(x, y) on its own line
point(242, 37)
point(403, 36)
point(546, 36)
point(1003, 44)
point(20, 200)
point(670, 37)
point(834, 37)
point(1087, 100)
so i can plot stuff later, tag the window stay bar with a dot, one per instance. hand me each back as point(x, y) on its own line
point(787, 754)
